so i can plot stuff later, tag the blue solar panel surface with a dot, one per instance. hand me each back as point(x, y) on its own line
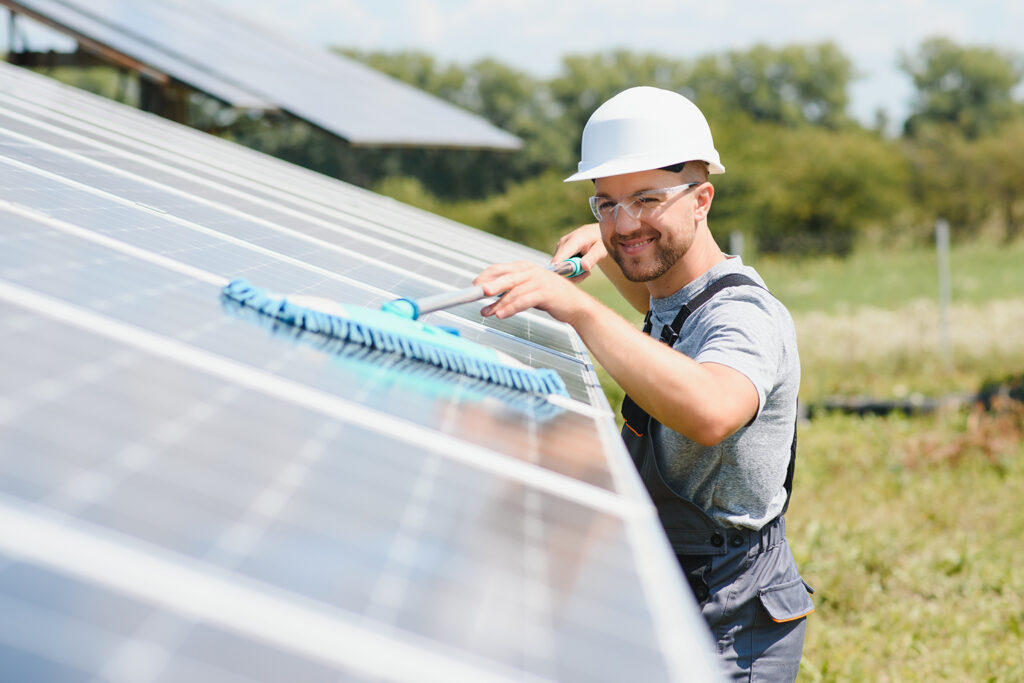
point(187, 495)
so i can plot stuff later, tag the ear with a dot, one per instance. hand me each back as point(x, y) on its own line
point(705, 193)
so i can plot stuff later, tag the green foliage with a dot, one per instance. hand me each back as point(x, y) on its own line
point(789, 86)
point(802, 177)
point(973, 183)
point(410, 191)
point(809, 190)
point(970, 88)
point(1001, 175)
point(946, 181)
point(510, 99)
point(538, 211)
point(909, 553)
point(419, 70)
point(106, 81)
point(586, 81)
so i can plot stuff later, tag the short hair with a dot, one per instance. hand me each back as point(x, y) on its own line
point(674, 168)
point(678, 168)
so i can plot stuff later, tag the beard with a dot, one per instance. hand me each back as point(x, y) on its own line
point(666, 254)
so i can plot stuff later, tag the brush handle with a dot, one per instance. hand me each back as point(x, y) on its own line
point(570, 267)
point(438, 302)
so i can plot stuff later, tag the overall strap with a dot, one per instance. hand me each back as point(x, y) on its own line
point(648, 323)
point(670, 333)
point(791, 468)
point(636, 418)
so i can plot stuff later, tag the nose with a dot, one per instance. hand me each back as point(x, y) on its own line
point(624, 221)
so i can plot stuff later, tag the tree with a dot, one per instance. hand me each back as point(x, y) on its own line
point(585, 81)
point(799, 84)
point(967, 87)
point(945, 177)
point(508, 98)
point(809, 190)
point(1001, 171)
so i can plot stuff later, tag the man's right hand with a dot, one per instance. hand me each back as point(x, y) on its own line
point(585, 242)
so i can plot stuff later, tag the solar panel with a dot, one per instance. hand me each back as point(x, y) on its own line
point(186, 494)
point(251, 66)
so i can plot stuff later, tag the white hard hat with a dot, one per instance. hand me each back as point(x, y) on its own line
point(642, 129)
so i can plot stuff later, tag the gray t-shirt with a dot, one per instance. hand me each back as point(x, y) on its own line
point(739, 482)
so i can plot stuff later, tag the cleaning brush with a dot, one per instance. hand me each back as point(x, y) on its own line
point(392, 370)
point(394, 330)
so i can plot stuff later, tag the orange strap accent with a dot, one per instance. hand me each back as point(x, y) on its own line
point(783, 621)
point(633, 430)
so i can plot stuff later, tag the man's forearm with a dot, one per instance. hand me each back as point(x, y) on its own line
point(704, 402)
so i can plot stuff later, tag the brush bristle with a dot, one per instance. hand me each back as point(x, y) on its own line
point(395, 334)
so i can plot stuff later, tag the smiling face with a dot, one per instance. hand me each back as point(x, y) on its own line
point(652, 247)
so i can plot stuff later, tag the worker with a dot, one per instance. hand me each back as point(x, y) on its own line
point(711, 381)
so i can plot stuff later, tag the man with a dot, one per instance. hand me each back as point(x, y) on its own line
point(712, 381)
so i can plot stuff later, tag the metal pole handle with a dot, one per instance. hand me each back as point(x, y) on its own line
point(413, 309)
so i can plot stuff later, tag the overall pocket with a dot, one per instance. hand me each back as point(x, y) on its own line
point(787, 601)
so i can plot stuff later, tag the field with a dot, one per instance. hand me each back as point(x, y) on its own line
point(910, 528)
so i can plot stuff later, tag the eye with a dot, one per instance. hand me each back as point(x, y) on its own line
point(604, 204)
point(647, 199)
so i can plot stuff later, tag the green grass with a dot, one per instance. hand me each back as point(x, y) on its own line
point(871, 325)
point(910, 529)
point(892, 279)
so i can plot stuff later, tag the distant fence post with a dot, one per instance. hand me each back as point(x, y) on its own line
point(736, 243)
point(942, 250)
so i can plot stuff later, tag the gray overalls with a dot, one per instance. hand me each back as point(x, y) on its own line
point(745, 580)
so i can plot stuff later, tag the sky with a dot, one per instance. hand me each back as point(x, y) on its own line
point(534, 35)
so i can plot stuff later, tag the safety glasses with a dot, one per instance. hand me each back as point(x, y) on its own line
point(607, 210)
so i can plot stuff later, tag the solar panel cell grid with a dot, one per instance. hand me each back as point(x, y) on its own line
point(103, 206)
point(229, 165)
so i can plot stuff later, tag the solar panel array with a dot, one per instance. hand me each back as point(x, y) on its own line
point(251, 66)
point(186, 495)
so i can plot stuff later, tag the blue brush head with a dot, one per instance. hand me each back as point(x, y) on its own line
point(386, 331)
